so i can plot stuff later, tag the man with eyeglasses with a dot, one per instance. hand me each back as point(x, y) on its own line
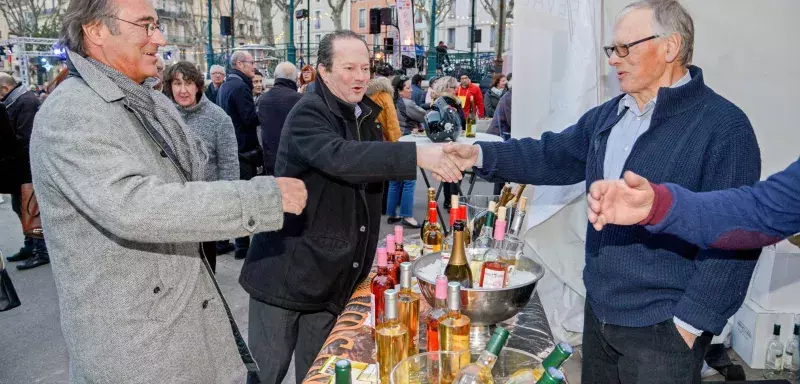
point(124, 206)
point(217, 78)
point(653, 301)
point(236, 98)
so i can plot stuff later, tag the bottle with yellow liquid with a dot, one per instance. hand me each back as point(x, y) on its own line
point(471, 118)
point(480, 372)
point(391, 337)
point(481, 245)
point(433, 238)
point(431, 200)
point(454, 335)
point(554, 360)
point(408, 308)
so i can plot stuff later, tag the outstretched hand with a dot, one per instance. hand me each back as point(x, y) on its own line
point(463, 155)
point(433, 158)
point(623, 202)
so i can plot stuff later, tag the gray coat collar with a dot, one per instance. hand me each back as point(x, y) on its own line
point(97, 81)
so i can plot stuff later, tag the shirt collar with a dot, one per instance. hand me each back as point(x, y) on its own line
point(629, 102)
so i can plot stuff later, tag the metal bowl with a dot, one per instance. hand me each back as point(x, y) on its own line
point(485, 306)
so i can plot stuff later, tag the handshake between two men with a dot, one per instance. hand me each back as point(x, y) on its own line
point(446, 162)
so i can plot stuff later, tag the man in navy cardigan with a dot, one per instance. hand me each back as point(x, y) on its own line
point(653, 301)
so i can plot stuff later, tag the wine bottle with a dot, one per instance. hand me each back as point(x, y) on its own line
point(457, 269)
point(447, 245)
point(342, 372)
point(380, 283)
point(408, 308)
point(790, 356)
point(519, 217)
point(482, 244)
point(518, 192)
point(437, 313)
point(431, 199)
point(433, 237)
point(471, 119)
point(480, 372)
point(505, 196)
point(774, 358)
point(391, 337)
point(552, 376)
point(454, 334)
point(400, 254)
point(555, 359)
point(494, 273)
point(394, 266)
point(424, 229)
point(462, 215)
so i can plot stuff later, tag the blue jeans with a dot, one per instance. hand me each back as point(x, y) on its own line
point(396, 189)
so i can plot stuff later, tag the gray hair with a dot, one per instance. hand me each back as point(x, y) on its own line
point(669, 17)
point(286, 70)
point(325, 50)
point(85, 12)
point(442, 84)
point(238, 56)
point(6, 79)
point(217, 67)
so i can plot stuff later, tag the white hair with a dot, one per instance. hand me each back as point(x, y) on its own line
point(286, 70)
point(6, 79)
point(669, 17)
point(238, 56)
point(217, 67)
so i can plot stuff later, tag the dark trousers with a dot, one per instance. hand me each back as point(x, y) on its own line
point(210, 253)
point(37, 247)
point(654, 355)
point(275, 333)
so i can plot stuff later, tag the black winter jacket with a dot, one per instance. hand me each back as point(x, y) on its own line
point(21, 112)
point(11, 172)
point(235, 96)
point(315, 262)
point(273, 107)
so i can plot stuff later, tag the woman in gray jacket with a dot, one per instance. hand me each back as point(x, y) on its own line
point(183, 84)
point(410, 115)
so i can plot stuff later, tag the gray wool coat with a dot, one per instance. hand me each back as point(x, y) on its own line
point(137, 302)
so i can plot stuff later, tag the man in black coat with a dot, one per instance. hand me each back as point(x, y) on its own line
point(273, 107)
point(217, 78)
point(21, 106)
point(300, 278)
point(236, 98)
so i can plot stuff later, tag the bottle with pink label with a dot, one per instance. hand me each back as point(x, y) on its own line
point(494, 273)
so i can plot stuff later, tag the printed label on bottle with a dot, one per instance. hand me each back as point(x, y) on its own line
point(493, 279)
point(427, 249)
point(371, 319)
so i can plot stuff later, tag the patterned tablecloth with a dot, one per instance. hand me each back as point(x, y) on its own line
point(352, 339)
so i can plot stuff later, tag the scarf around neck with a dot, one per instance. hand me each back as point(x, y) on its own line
point(155, 108)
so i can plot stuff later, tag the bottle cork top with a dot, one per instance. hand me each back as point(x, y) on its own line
point(492, 206)
point(453, 296)
point(501, 213)
point(441, 287)
point(390, 243)
point(398, 234)
point(523, 202)
point(382, 258)
point(453, 201)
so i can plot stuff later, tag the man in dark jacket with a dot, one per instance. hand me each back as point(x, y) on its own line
point(299, 279)
point(21, 106)
point(217, 78)
point(417, 94)
point(273, 107)
point(236, 98)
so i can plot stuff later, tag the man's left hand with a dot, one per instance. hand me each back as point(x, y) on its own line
point(688, 337)
point(432, 158)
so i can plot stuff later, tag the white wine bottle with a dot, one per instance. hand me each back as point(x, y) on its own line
point(480, 372)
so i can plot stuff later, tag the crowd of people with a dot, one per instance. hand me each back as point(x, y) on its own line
point(141, 188)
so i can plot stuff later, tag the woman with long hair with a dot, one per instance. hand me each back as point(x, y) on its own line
point(492, 96)
point(183, 84)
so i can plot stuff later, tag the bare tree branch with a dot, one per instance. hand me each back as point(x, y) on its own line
point(337, 6)
point(491, 7)
point(443, 8)
point(32, 17)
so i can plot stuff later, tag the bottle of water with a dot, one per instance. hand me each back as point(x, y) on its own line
point(773, 365)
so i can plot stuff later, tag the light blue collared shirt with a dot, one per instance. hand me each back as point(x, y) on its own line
point(633, 124)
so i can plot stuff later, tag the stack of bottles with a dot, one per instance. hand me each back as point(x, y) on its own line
point(782, 362)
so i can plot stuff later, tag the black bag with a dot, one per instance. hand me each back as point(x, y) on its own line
point(8, 295)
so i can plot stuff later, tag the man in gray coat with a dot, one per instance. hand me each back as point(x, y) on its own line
point(119, 182)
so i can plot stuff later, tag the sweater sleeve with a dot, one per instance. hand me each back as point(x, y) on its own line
point(555, 159)
point(415, 112)
point(720, 282)
point(741, 218)
point(227, 151)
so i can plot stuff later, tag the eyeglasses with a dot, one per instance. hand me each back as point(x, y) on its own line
point(623, 50)
point(149, 27)
point(246, 61)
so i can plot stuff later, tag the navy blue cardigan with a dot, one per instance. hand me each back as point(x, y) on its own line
point(697, 139)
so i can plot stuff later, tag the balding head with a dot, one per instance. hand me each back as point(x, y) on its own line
point(7, 84)
point(287, 71)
